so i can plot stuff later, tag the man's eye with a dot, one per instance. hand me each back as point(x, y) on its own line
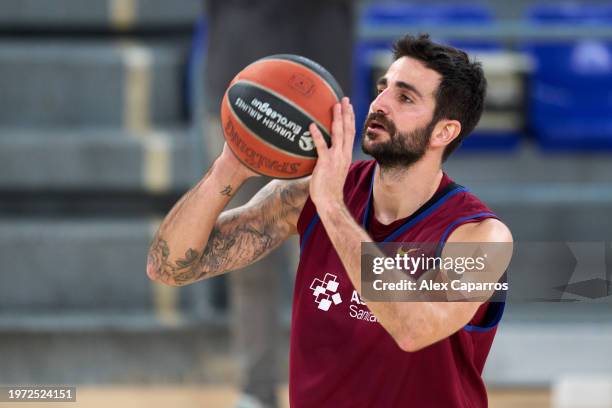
point(405, 98)
point(379, 90)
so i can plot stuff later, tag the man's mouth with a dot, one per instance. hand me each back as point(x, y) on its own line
point(375, 126)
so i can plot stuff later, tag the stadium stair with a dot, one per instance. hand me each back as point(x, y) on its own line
point(97, 142)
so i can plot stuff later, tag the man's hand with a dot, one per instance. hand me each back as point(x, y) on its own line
point(229, 160)
point(327, 183)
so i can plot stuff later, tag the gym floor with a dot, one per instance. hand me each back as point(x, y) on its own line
point(224, 396)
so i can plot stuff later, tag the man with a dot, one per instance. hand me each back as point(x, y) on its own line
point(421, 354)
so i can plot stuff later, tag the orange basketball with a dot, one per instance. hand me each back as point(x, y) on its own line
point(267, 109)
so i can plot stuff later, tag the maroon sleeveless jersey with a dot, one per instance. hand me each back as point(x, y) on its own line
point(340, 356)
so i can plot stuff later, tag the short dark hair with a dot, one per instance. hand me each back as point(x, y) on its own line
point(463, 86)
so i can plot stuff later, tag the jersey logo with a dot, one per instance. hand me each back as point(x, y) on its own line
point(324, 291)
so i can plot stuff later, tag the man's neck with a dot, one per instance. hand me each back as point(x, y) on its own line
point(399, 192)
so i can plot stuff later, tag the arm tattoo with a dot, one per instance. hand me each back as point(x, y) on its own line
point(239, 237)
point(227, 191)
point(242, 237)
point(180, 271)
point(159, 251)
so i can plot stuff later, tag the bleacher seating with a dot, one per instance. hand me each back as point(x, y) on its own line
point(84, 16)
point(96, 144)
point(569, 93)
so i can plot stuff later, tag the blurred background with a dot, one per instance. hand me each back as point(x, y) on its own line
point(102, 129)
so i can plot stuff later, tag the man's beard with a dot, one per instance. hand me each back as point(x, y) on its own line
point(403, 149)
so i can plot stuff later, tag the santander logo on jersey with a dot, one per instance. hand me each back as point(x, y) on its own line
point(325, 291)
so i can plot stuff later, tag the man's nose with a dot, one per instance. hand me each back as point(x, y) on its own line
point(379, 104)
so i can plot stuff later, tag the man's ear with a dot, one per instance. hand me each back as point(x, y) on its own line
point(445, 132)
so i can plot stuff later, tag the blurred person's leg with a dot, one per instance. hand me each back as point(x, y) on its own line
point(241, 31)
point(256, 310)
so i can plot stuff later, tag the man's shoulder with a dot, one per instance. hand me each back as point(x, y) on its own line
point(486, 230)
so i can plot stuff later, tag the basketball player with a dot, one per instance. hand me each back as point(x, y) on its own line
point(417, 354)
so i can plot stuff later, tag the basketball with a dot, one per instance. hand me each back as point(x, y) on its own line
point(266, 111)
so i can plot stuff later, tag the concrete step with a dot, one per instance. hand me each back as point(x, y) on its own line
point(97, 159)
point(88, 274)
point(75, 265)
point(553, 342)
point(550, 211)
point(542, 196)
point(98, 14)
point(528, 164)
point(583, 214)
point(192, 353)
point(170, 356)
point(60, 83)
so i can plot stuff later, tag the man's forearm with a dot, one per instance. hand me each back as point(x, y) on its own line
point(346, 236)
point(182, 236)
point(403, 321)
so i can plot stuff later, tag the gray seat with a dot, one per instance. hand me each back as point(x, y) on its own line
point(90, 83)
point(99, 159)
point(121, 14)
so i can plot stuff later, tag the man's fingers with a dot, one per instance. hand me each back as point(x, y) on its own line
point(348, 118)
point(337, 127)
point(318, 140)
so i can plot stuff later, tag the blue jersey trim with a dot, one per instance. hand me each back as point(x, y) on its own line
point(402, 229)
point(366, 213)
point(496, 309)
point(449, 229)
point(308, 230)
point(409, 224)
point(424, 214)
point(498, 312)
